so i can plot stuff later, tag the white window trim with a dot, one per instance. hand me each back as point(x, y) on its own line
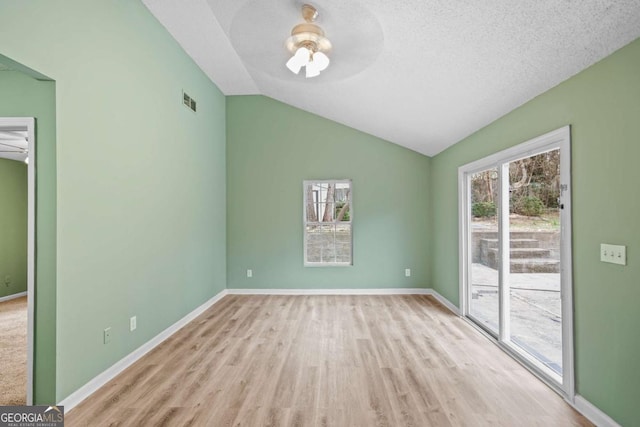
point(559, 138)
point(304, 222)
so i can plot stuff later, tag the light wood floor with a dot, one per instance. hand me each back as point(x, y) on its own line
point(13, 351)
point(326, 361)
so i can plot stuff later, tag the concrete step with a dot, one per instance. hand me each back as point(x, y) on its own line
point(525, 253)
point(535, 265)
point(514, 243)
point(524, 243)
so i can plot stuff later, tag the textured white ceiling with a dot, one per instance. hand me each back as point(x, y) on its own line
point(421, 74)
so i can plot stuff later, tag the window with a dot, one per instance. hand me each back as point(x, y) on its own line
point(328, 215)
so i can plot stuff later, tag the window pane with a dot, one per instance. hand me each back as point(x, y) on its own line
point(343, 243)
point(343, 200)
point(342, 212)
point(341, 193)
point(484, 302)
point(321, 243)
point(322, 188)
point(311, 203)
point(326, 212)
point(330, 193)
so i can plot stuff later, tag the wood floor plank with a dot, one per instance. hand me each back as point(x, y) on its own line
point(398, 360)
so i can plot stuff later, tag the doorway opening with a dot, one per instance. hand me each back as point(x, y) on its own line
point(17, 160)
point(515, 254)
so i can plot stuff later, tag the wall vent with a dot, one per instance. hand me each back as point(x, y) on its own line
point(188, 101)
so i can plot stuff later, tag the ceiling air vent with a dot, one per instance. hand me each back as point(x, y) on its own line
point(188, 101)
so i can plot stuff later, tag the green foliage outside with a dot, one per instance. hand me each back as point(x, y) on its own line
point(483, 209)
point(529, 206)
point(534, 186)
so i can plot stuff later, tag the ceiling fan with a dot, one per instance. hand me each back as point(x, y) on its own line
point(308, 45)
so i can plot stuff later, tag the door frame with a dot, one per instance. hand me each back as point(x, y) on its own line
point(29, 124)
point(561, 139)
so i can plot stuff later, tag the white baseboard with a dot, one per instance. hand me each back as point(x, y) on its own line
point(382, 291)
point(14, 296)
point(374, 291)
point(442, 300)
point(593, 413)
point(101, 379)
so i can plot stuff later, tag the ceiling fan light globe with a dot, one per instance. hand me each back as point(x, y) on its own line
point(312, 70)
point(294, 65)
point(302, 55)
point(321, 61)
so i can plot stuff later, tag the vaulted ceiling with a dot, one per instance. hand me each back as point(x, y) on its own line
point(423, 74)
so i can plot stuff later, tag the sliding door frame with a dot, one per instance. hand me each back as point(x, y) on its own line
point(557, 139)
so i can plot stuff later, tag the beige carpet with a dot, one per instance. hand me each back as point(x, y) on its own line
point(13, 351)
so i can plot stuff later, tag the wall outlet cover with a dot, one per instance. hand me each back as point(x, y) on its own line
point(106, 336)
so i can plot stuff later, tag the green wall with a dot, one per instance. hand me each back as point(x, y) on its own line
point(140, 178)
point(23, 96)
point(271, 149)
point(13, 230)
point(602, 105)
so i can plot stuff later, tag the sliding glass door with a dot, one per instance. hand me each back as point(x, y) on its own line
point(484, 304)
point(515, 253)
point(535, 312)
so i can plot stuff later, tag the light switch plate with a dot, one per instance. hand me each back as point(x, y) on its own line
point(615, 254)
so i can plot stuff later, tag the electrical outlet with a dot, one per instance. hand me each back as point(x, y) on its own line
point(407, 272)
point(133, 323)
point(249, 273)
point(107, 335)
point(7, 280)
point(615, 254)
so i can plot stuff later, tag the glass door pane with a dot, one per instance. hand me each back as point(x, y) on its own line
point(535, 317)
point(484, 253)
